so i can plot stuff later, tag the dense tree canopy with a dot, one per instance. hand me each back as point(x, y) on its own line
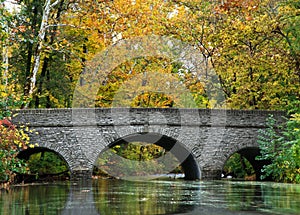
point(253, 46)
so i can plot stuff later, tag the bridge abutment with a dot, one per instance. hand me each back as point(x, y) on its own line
point(210, 174)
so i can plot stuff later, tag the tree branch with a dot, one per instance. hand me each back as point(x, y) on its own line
point(54, 3)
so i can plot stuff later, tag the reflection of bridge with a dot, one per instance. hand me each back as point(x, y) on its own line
point(121, 197)
point(201, 139)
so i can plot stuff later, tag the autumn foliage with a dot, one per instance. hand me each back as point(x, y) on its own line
point(12, 140)
point(251, 45)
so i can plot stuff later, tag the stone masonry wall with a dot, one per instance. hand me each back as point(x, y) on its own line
point(79, 135)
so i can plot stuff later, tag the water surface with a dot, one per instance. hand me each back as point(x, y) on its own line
point(152, 197)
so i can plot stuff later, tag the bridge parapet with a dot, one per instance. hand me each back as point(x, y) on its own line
point(140, 116)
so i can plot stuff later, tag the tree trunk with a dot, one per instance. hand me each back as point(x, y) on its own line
point(48, 102)
point(40, 44)
point(41, 81)
point(30, 53)
point(5, 59)
point(45, 74)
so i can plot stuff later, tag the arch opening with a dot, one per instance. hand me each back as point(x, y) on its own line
point(243, 165)
point(44, 165)
point(147, 155)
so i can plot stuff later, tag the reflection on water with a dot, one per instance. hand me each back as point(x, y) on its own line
point(152, 197)
point(38, 199)
point(144, 198)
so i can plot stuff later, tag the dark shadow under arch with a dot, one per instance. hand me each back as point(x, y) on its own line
point(250, 153)
point(189, 164)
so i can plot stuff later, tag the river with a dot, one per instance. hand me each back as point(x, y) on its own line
point(107, 196)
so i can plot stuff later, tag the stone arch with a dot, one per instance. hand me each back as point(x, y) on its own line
point(250, 153)
point(189, 162)
point(25, 154)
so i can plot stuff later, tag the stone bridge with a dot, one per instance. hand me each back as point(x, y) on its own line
point(201, 139)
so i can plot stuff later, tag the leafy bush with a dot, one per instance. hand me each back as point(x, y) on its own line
point(281, 145)
point(12, 140)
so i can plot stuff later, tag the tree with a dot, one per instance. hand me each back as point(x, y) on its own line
point(151, 82)
point(289, 29)
point(282, 148)
point(97, 29)
point(253, 62)
point(251, 45)
point(4, 43)
point(40, 43)
point(12, 139)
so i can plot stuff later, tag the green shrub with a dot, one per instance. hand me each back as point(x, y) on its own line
point(281, 145)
